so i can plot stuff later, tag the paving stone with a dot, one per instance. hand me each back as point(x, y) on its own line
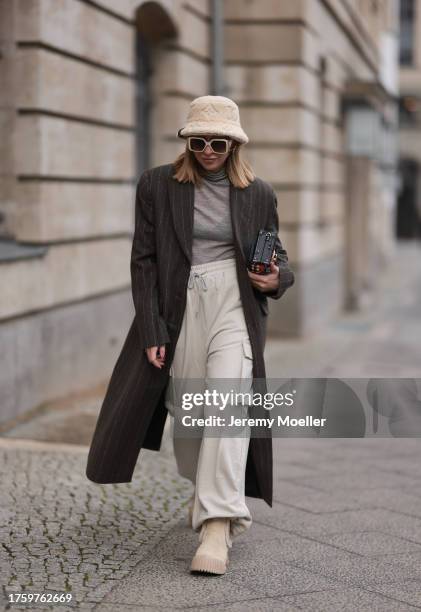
point(346, 600)
point(360, 479)
point(372, 544)
point(321, 501)
point(110, 527)
point(288, 547)
point(260, 604)
point(407, 591)
point(301, 522)
point(263, 568)
point(356, 570)
point(145, 587)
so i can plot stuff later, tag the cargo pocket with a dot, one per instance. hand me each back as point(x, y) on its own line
point(248, 353)
point(246, 382)
point(169, 396)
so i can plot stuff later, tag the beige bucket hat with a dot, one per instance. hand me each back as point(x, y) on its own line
point(214, 115)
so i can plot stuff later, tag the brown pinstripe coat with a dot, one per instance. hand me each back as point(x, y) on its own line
point(133, 412)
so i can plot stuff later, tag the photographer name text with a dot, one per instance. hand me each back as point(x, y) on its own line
point(281, 421)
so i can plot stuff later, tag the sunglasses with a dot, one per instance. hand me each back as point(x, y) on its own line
point(218, 145)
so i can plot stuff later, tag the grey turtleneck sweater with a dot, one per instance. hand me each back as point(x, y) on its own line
point(212, 230)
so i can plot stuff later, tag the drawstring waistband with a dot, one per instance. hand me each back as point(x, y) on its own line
point(199, 271)
point(194, 275)
point(208, 275)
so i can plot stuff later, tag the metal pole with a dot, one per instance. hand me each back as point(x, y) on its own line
point(217, 51)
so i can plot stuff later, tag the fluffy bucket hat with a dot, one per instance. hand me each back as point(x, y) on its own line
point(214, 115)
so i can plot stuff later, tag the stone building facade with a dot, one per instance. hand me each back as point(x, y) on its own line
point(95, 90)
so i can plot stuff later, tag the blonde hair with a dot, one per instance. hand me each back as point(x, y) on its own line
point(239, 171)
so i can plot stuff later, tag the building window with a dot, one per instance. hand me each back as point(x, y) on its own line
point(409, 111)
point(407, 19)
point(408, 214)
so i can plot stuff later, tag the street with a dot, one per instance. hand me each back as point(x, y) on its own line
point(344, 532)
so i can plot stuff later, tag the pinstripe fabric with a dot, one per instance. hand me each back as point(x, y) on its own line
point(144, 273)
point(133, 412)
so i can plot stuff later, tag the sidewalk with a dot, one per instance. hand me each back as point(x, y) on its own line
point(344, 532)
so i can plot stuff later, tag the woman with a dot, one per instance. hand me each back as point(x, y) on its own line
point(200, 314)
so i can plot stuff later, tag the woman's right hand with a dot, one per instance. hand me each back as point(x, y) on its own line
point(157, 360)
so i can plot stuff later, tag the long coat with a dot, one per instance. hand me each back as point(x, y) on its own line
point(133, 412)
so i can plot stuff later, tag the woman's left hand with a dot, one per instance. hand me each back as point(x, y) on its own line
point(266, 282)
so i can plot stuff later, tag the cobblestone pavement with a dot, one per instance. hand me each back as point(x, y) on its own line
point(61, 532)
point(344, 532)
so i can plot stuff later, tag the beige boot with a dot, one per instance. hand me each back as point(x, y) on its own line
point(212, 555)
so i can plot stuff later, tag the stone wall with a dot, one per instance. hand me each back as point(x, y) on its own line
point(67, 147)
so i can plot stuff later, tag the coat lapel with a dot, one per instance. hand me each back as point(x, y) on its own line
point(181, 200)
point(240, 203)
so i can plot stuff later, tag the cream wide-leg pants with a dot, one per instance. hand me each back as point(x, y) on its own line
point(213, 344)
